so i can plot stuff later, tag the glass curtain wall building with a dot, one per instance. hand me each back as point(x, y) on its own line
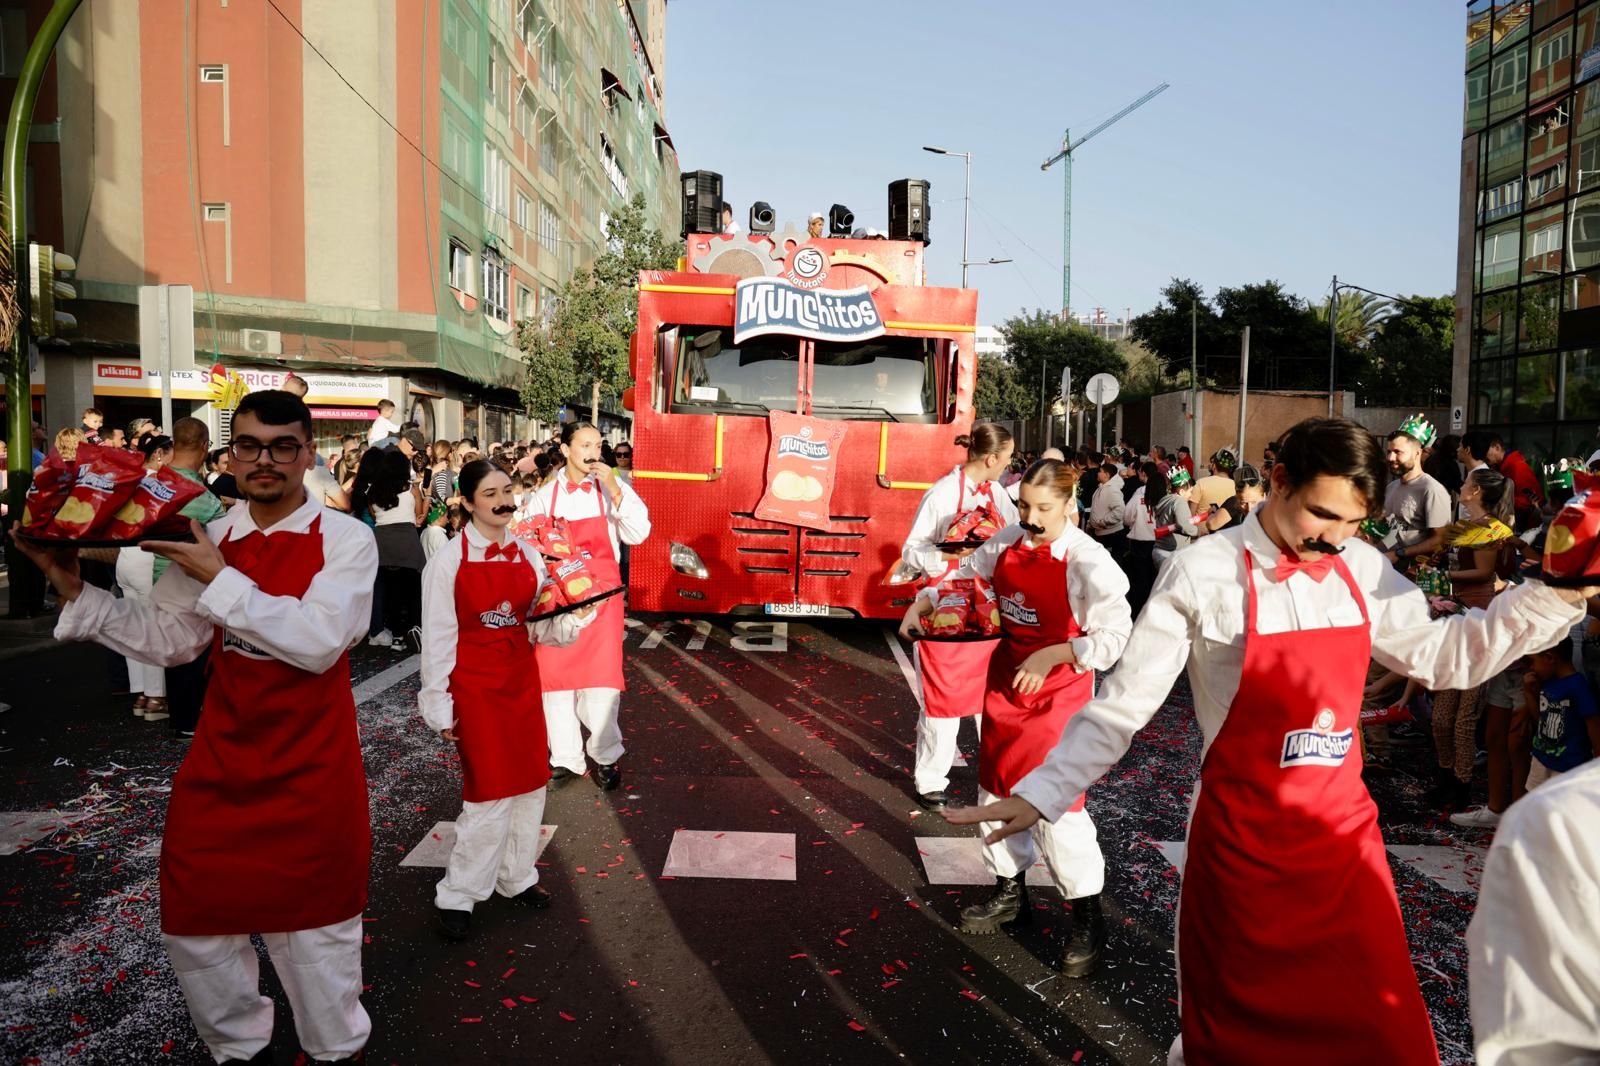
point(1531, 161)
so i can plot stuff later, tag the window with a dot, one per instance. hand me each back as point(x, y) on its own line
point(1500, 201)
point(496, 181)
point(217, 74)
point(522, 212)
point(460, 267)
point(213, 74)
point(495, 303)
point(1583, 247)
point(549, 228)
point(455, 155)
point(1546, 183)
point(549, 64)
point(1503, 152)
point(1552, 62)
point(491, 81)
point(1541, 305)
point(1508, 82)
point(1542, 243)
point(547, 151)
point(1500, 255)
point(526, 119)
point(1477, 108)
point(219, 214)
point(613, 169)
point(1479, 14)
point(525, 308)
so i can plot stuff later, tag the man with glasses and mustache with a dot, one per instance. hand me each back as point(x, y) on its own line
point(1291, 944)
point(267, 829)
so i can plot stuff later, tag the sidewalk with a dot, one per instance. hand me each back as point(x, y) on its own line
point(25, 637)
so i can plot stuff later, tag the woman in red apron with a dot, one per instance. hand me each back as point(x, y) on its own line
point(951, 677)
point(480, 689)
point(1063, 615)
point(583, 682)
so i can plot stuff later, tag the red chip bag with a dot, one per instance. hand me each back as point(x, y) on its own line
point(575, 580)
point(980, 523)
point(155, 505)
point(107, 477)
point(985, 619)
point(801, 461)
point(550, 535)
point(551, 598)
point(951, 610)
point(52, 483)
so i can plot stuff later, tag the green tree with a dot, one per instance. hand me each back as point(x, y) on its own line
point(1146, 375)
point(1164, 330)
point(1040, 346)
point(594, 315)
point(1361, 315)
point(999, 396)
point(1409, 359)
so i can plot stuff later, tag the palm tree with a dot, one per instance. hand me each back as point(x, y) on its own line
point(1361, 316)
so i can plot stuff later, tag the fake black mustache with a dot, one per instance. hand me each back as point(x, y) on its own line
point(1320, 546)
point(504, 508)
point(1029, 527)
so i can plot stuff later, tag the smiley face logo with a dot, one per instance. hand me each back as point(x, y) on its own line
point(809, 263)
point(1325, 720)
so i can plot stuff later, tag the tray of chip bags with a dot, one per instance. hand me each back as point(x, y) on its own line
point(184, 535)
point(555, 612)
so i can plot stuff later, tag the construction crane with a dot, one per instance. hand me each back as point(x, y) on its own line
point(1068, 146)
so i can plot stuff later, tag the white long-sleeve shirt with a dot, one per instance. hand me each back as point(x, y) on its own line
point(441, 631)
point(1137, 517)
point(1534, 943)
point(1097, 591)
point(629, 521)
point(1106, 508)
point(1195, 617)
point(181, 615)
point(939, 507)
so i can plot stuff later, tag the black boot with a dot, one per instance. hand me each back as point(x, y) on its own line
point(1443, 787)
point(1008, 904)
point(1082, 955)
point(1460, 795)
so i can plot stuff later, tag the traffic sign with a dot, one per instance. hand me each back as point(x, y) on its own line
point(1101, 389)
point(1458, 419)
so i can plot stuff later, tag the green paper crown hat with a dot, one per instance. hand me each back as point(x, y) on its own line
point(1178, 477)
point(1419, 429)
point(1559, 474)
point(1225, 458)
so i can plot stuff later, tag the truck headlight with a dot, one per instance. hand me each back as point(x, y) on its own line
point(685, 560)
point(904, 573)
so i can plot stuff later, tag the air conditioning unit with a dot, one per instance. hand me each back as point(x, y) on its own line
point(261, 341)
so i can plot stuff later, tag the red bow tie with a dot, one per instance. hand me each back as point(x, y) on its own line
point(507, 551)
point(1316, 569)
point(574, 486)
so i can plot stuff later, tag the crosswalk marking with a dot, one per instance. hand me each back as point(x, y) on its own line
point(381, 682)
point(959, 861)
point(748, 856)
point(1454, 869)
point(434, 847)
point(18, 829)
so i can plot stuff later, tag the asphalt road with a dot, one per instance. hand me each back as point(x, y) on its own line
point(780, 757)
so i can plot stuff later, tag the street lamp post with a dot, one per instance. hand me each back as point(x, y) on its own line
point(966, 205)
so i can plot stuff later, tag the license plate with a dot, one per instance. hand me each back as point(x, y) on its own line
point(799, 610)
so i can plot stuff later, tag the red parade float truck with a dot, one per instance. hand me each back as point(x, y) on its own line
point(793, 398)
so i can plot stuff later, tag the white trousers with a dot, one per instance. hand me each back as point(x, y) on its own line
point(496, 843)
point(936, 750)
point(321, 973)
point(567, 714)
point(1069, 847)
point(136, 577)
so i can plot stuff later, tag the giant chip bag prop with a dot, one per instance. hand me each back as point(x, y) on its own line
point(1570, 556)
point(106, 479)
point(156, 506)
point(52, 482)
point(801, 460)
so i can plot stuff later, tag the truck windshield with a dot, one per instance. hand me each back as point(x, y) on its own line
point(890, 379)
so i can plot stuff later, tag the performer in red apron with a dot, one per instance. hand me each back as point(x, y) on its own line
point(267, 830)
point(583, 682)
point(1063, 614)
point(950, 677)
point(1290, 942)
point(480, 689)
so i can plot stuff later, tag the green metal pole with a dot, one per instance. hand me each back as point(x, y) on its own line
point(19, 395)
point(1066, 226)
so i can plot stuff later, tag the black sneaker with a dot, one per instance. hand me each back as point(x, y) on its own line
point(533, 896)
point(455, 925)
point(934, 801)
point(608, 777)
point(561, 776)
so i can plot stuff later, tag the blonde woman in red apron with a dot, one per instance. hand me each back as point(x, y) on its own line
point(1063, 614)
point(1291, 945)
point(267, 829)
point(480, 690)
point(950, 677)
point(583, 681)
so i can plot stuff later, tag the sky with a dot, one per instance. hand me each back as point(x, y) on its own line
point(1299, 139)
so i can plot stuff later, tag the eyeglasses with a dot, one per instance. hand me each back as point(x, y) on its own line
point(624, 455)
point(282, 451)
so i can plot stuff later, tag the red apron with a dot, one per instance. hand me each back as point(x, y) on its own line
point(594, 660)
point(1291, 944)
point(267, 829)
point(953, 676)
point(1019, 731)
point(495, 683)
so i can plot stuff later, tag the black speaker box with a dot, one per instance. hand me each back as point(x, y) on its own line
point(909, 210)
point(702, 202)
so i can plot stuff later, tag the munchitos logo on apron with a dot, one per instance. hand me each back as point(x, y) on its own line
point(1317, 746)
point(773, 305)
point(1011, 606)
point(499, 618)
